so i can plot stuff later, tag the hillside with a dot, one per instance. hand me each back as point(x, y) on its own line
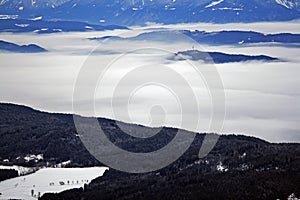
point(239, 167)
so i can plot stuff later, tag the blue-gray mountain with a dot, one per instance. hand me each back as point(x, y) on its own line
point(218, 58)
point(214, 38)
point(43, 26)
point(11, 47)
point(129, 12)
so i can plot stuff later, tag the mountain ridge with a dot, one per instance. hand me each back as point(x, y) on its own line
point(12, 47)
point(249, 167)
point(167, 12)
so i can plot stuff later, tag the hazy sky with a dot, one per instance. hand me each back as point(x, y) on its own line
point(262, 99)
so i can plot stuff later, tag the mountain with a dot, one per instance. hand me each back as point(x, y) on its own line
point(238, 167)
point(236, 38)
point(26, 133)
point(217, 57)
point(11, 47)
point(38, 25)
point(139, 12)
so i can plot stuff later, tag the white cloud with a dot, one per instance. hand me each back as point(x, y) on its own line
point(262, 98)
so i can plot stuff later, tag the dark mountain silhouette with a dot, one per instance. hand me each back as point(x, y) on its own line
point(217, 57)
point(11, 47)
point(239, 38)
point(238, 167)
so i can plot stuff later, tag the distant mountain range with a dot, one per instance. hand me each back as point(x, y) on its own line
point(239, 167)
point(11, 47)
point(38, 25)
point(138, 12)
point(218, 58)
point(238, 38)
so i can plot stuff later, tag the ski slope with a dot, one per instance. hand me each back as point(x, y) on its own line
point(48, 180)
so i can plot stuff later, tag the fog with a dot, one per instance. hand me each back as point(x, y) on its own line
point(262, 99)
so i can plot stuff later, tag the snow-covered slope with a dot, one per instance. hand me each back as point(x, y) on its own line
point(290, 4)
point(48, 180)
point(128, 12)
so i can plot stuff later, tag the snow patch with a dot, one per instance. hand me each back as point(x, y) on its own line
point(37, 18)
point(214, 3)
point(36, 158)
point(172, 8)
point(226, 8)
point(286, 3)
point(57, 29)
point(62, 164)
point(244, 154)
point(51, 180)
point(243, 167)
point(9, 16)
point(21, 8)
point(221, 167)
point(293, 197)
point(3, 2)
point(22, 25)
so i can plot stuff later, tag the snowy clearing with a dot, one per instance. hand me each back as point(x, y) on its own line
point(47, 180)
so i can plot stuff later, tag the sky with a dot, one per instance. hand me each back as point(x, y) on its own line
point(261, 99)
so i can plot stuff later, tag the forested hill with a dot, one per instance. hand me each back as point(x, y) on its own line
point(239, 167)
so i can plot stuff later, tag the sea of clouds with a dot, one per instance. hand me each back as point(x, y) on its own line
point(262, 99)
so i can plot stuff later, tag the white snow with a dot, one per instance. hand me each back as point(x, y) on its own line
point(285, 3)
point(21, 8)
point(293, 197)
point(243, 167)
point(221, 167)
point(44, 29)
point(244, 154)
point(36, 158)
point(88, 27)
point(37, 18)
point(172, 8)
point(22, 25)
point(57, 29)
point(63, 164)
point(102, 20)
point(135, 9)
point(48, 180)
point(227, 8)
point(214, 3)
point(3, 2)
point(9, 16)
